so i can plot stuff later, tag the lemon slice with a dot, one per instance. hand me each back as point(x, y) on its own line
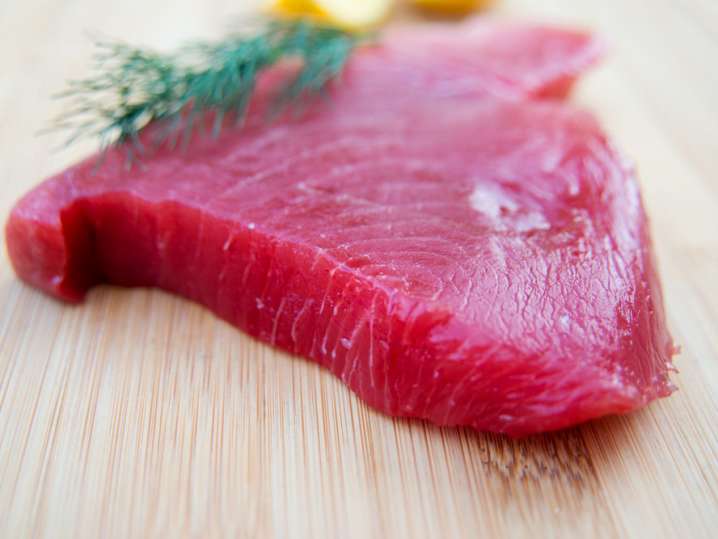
point(354, 13)
point(453, 6)
point(294, 7)
point(348, 14)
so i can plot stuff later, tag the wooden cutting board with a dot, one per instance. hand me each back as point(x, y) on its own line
point(139, 414)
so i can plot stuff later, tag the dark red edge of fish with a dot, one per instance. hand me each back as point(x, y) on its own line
point(61, 259)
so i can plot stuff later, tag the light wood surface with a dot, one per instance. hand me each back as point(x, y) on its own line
point(140, 414)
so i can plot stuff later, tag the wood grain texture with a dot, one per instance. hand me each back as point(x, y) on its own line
point(142, 415)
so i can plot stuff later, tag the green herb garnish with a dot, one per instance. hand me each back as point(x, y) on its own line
point(131, 87)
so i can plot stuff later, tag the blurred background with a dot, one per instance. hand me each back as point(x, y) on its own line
point(665, 51)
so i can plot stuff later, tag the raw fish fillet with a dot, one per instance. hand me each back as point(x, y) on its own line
point(453, 248)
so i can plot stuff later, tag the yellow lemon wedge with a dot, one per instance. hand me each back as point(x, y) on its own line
point(294, 7)
point(453, 6)
point(348, 14)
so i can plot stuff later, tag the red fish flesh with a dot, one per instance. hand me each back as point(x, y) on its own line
point(449, 253)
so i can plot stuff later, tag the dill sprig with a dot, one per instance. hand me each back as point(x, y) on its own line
point(131, 88)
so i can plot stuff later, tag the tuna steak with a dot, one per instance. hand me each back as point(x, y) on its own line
point(449, 255)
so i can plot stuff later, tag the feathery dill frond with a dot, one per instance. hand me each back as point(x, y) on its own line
point(132, 87)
